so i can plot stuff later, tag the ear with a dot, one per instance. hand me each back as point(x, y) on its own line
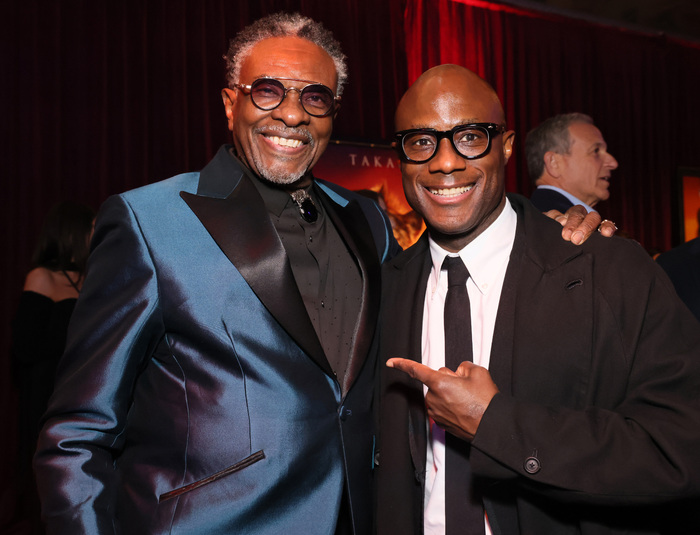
point(335, 111)
point(508, 140)
point(552, 163)
point(229, 96)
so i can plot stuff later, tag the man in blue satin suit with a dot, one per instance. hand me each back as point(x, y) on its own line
point(218, 376)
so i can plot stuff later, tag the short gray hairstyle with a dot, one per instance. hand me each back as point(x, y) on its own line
point(551, 135)
point(283, 25)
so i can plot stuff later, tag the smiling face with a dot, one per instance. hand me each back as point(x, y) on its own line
point(458, 198)
point(585, 170)
point(281, 145)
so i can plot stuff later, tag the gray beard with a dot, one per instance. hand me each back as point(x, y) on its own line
point(277, 175)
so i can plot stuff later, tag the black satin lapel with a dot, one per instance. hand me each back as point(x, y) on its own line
point(242, 228)
point(354, 229)
point(500, 501)
point(501, 360)
point(405, 298)
point(417, 413)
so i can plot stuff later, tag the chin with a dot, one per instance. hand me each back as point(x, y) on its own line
point(282, 175)
point(283, 179)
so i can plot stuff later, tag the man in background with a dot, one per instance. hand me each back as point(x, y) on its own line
point(682, 265)
point(569, 162)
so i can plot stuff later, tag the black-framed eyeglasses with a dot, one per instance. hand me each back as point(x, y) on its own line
point(471, 141)
point(317, 99)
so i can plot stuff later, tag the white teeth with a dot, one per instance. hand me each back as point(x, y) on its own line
point(449, 192)
point(285, 142)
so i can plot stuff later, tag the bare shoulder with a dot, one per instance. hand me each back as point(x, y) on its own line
point(52, 284)
point(40, 280)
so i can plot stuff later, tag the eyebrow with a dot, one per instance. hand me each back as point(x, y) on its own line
point(284, 79)
point(422, 126)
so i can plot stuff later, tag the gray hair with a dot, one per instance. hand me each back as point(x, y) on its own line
point(283, 25)
point(551, 135)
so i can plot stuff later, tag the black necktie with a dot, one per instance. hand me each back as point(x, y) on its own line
point(464, 511)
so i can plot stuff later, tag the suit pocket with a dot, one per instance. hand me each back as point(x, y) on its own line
point(251, 459)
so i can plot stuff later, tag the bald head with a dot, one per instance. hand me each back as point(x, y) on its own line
point(448, 111)
point(440, 88)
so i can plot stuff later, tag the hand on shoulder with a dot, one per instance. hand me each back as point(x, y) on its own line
point(578, 225)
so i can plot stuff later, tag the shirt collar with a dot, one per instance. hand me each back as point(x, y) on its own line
point(485, 254)
point(574, 200)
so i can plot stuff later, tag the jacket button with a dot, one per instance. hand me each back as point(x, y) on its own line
point(345, 413)
point(532, 465)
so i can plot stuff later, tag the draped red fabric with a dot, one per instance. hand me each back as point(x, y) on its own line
point(636, 86)
point(100, 97)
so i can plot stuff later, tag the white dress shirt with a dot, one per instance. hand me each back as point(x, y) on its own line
point(486, 258)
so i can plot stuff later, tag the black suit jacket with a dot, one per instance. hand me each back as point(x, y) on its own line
point(682, 264)
point(546, 199)
point(598, 366)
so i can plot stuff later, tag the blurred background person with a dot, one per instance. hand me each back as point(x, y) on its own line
point(569, 162)
point(682, 265)
point(50, 291)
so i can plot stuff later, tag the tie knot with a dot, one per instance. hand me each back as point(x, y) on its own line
point(457, 272)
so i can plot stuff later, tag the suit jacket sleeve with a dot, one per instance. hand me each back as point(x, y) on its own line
point(114, 327)
point(604, 405)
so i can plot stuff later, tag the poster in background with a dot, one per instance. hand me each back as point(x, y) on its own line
point(373, 170)
point(691, 204)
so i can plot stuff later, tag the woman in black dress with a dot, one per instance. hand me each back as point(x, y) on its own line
point(39, 328)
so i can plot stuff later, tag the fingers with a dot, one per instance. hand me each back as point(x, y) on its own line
point(586, 228)
point(447, 371)
point(418, 371)
point(423, 373)
point(607, 228)
point(570, 220)
point(556, 215)
point(579, 224)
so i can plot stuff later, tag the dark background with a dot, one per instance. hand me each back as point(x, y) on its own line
point(99, 97)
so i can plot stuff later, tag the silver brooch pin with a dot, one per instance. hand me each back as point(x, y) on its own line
point(306, 205)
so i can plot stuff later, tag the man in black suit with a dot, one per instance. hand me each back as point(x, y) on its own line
point(682, 264)
point(580, 411)
point(569, 162)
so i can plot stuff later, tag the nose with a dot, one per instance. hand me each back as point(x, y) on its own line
point(611, 162)
point(446, 159)
point(290, 111)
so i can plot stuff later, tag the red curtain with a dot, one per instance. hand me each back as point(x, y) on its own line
point(638, 88)
point(99, 97)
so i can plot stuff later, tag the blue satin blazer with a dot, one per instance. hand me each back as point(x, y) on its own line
point(194, 396)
